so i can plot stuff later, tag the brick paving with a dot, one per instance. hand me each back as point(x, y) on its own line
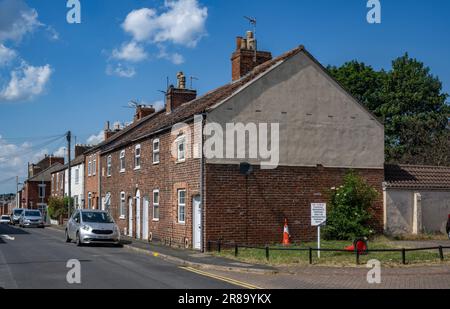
point(433, 277)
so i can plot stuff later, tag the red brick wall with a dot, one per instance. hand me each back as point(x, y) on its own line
point(31, 194)
point(273, 195)
point(168, 176)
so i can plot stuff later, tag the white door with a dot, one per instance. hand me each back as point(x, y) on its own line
point(138, 214)
point(130, 217)
point(145, 219)
point(197, 222)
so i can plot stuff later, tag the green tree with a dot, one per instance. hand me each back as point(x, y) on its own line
point(350, 209)
point(58, 207)
point(410, 101)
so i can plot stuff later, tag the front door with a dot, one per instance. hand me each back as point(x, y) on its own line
point(138, 214)
point(145, 219)
point(130, 217)
point(197, 222)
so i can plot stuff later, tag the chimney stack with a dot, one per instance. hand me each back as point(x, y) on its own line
point(175, 97)
point(247, 57)
point(143, 111)
point(108, 132)
point(80, 149)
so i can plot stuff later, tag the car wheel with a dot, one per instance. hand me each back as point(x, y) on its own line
point(67, 237)
point(78, 240)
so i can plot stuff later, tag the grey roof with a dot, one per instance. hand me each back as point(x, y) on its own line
point(46, 174)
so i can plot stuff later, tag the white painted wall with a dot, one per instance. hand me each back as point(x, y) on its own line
point(434, 208)
point(77, 188)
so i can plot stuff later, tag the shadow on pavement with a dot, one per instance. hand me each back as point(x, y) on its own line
point(11, 230)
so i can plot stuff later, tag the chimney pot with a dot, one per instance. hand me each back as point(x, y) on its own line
point(243, 59)
point(175, 97)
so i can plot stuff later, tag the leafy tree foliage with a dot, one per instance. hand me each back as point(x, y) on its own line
point(349, 214)
point(410, 101)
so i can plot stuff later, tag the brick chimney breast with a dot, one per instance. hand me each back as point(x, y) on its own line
point(143, 111)
point(243, 59)
point(175, 97)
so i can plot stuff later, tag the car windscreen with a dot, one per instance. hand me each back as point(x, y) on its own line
point(5, 217)
point(32, 214)
point(18, 212)
point(96, 217)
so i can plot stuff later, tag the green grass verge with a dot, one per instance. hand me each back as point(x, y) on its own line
point(334, 258)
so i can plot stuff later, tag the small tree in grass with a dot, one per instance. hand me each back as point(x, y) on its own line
point(349, 211)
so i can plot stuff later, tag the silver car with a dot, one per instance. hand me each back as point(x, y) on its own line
point(5, 219)
point(31, 218)
point(92, 227)
point(15, 216)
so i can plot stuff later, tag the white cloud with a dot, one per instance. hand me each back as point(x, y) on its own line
point(182, 23)
point(96, 139)
point(14, 159)
point(61, 152)
point(6, 55)
point(17, 20)
point(26, 82)
point(120, 70)
point(175, 58)
point(132, 52)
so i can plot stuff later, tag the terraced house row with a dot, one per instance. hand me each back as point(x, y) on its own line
point(158, 186)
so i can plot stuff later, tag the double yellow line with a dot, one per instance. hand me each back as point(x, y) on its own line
point(225, 279)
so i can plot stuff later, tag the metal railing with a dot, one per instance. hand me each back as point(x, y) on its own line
point(221, 244)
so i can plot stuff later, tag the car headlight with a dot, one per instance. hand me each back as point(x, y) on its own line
point(86, 228)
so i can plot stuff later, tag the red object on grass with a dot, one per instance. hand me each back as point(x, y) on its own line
point(361, 246)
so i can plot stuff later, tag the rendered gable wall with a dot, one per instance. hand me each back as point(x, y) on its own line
point(320, 123)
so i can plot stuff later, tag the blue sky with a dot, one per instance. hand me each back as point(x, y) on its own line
point(76, 66)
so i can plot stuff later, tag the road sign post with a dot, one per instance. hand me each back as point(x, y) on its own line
point(318, 218)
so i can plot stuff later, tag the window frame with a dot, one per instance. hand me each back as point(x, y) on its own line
point(41, 190)
point(90, 167)
point(156, 152)
point(181, 206)
point(137, 157)
point(77, 176)
point(89, 204)
point(122, 206)
point(108, 166)
point(122, 169)
point(181, 140)
point(155, 206)
point(94, 167)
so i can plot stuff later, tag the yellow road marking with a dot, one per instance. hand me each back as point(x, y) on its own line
point(225, 279)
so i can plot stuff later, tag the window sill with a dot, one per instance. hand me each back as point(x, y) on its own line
point(122, 171)
point(182, 223)
point(155, 220)
point(122, 218)
point(137, 168)
point(180, 161)
point(155, 163)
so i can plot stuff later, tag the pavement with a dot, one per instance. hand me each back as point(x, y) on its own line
point(37, 258)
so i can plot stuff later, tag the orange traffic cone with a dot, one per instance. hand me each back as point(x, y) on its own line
point(286, 235)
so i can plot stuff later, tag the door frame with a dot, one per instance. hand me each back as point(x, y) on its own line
point(197, 234)
point(138, 214)
point(145, 217)
point(130, 216)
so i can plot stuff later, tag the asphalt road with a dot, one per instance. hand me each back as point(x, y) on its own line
point(37, 258)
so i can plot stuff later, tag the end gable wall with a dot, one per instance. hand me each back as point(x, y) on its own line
point(320, 123)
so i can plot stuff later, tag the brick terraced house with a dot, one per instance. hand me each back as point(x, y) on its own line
point(157, 186)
